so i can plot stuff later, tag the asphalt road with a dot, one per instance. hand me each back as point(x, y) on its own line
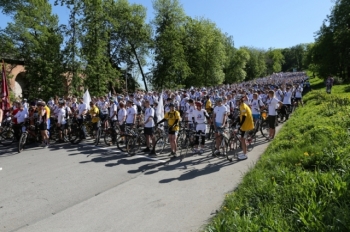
point(87, 188)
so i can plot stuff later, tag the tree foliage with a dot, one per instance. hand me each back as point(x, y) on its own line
point(36, 38)
point(331, 51)
point(170, 68)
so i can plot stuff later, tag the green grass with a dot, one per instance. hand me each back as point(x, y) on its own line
point(302, 181)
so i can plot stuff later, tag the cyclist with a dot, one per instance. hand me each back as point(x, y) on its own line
point(61, 120)
point(256, 104)
point(173, 118)
point(273, 104)
point(298, 94)
point(246, 124)
point(95, 119)
point(219, 118)
point(43, 119)
point(149, 127)
point(200, 116)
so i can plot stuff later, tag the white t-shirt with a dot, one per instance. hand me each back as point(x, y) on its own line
point(273, 103)
point(279, 94)
point(61, 114)
point(81, 108)
point(298, 92)
point(21, 116)
point(112, 110)
point(256, 104)
point(103, 106)
point(220, 112)
point(189, 113)
point(74, 105)
point(121, 115)
point(287, 99)
point(199, 116)
point(130, 115)
point(149, 112)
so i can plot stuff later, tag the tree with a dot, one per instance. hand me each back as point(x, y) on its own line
point(70, 52)
point(37, 39)
point(256, 66)
point(331, 52)
point(274, 60)
point(205, 53)
point(294, 58)
point(130, 36)
point(170, 67)
point(237, 66)
point(99, 73)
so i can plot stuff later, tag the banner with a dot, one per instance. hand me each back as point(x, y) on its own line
point(87, 99)
point(4, 95)
point(160, 108)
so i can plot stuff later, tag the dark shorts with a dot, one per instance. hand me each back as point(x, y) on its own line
point(272, 121)
point(173, 132)
point(298, 99)
point(122, 127)
point(242, 133)
point(43, 126)
point(63, 127)
point(148, 131)
point(103, 116)
point(95, 126)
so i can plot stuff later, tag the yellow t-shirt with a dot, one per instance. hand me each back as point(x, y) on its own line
point(47, 111)
point(92, 111)
point(248, 122)
point(171, 116)
point(208, 106)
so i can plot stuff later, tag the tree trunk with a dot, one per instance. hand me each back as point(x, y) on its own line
point(139, 64)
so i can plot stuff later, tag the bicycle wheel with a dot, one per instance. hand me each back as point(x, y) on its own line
point(53, 135)
point(211, 133)
point(233, 145)
point(250, 140)
point(7, 137)
point(265, 128)
point(159, 146)
point(22, 142)
point(122, 142)
point(213, 147)
point(75, 136)
point(132, 146)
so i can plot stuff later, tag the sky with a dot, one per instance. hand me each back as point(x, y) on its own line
point(254, 23)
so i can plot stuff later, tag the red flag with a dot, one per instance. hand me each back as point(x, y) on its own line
point(5, 101)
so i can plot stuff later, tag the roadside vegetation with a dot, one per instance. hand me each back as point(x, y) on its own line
point(302, 181)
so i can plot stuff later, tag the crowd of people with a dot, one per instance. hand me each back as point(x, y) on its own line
point(198, 106)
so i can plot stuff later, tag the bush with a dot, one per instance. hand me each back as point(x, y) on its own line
point(302, 181)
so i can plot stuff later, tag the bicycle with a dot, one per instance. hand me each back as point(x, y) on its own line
point(162, 139)
point(29, 133)
point(187, 139)
point(135, 140)
point(234, 143)
point(7, 134)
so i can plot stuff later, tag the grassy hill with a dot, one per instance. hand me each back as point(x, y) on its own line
point(302, 181)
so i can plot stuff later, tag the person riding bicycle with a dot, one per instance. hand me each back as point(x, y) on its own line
point(173, 118)
point(246, 124)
